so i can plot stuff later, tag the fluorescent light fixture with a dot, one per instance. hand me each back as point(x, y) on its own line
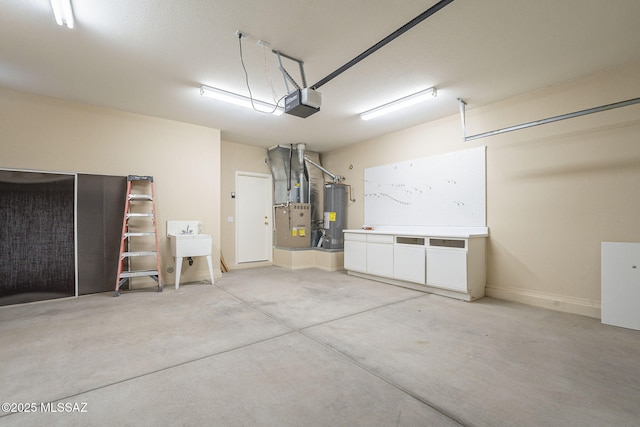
point(398, 104)
point(243, 101)
point(63, 12)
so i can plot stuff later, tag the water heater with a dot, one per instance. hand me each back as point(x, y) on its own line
point(335, 215)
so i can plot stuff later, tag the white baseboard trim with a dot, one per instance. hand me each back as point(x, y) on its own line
point(582, 306)
point(325, 268)
point(416, 286)
point(245, 265)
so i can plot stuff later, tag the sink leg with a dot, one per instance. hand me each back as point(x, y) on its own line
point(210, 267)
point(178, 271)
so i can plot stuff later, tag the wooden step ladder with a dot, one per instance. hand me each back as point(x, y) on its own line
point(138, 231)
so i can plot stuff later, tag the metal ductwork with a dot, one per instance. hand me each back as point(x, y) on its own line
point(309, 212)
point(295, 183)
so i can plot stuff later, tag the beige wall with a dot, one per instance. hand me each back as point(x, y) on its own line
point(39, 133)
point(236, 158)
point(554, 192)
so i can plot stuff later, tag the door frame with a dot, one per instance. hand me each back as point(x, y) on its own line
point(268, 209)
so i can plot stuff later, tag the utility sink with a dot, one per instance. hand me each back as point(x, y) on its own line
point(187, 241)
point(186, 245)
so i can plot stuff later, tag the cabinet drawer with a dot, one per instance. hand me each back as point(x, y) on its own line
point(414, 241)
point(355, 237)
point(448, 243)
point(380, 238)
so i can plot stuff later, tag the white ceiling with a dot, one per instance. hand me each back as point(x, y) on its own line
point(151, 56)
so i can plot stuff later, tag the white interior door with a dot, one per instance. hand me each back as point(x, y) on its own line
point(253, 217)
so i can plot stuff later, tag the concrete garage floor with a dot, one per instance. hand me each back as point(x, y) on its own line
point(276, 347)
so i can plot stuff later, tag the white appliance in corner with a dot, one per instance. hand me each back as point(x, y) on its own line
point(620, 287)
point(188, 241)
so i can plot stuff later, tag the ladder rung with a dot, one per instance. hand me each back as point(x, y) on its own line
point(140, 234)
point(143, 273)
point(140, 178)
point(146, 197)
point(138, 253)
point(134, 214)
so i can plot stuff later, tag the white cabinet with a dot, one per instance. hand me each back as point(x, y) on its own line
point(447, 266)
point(409, 262)
point(458, 265)
point(355, 252)
point(380, 255)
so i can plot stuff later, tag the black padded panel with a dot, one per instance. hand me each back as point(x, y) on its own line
point(37, 257)
point(100, 212)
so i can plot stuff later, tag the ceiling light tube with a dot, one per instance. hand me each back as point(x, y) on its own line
point(63, 12)
point(241, 100)
point(398, 104)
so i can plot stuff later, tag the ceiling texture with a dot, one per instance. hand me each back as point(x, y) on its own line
point(151, 57)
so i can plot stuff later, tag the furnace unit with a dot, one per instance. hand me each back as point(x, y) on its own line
point(293, 225)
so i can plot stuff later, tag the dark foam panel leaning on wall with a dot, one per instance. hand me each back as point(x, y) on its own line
point(37, 255)
point(100, 210)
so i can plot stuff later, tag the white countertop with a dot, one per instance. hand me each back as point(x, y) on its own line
point(458, 232)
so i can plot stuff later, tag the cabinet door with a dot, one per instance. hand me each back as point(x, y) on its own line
point(355, 256)
point(380, 259)
point(620, 279)
point(447, 268)
point(409, 263)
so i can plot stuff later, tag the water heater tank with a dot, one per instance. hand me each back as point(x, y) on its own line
point(335, 215)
